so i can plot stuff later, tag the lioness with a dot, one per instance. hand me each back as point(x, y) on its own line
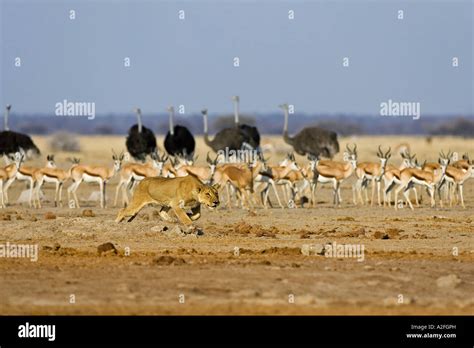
point(179, 194)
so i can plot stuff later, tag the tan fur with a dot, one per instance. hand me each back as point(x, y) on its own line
point(178, 194)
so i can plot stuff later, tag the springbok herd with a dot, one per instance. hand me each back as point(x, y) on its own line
point(291, 182)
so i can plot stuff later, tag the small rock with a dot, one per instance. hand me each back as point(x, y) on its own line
point(368, 268)
point(381, 235)
point(49, 216)
point(106, 247)
point(5, 217)
point(449, 281)
point(88, 213)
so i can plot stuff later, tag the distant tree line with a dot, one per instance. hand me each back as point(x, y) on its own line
point(267, 124)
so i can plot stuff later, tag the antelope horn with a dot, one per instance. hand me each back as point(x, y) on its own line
point(388, 152)
point(379, 152)
point(355, 148)
point(441, 154)
point(208, 159)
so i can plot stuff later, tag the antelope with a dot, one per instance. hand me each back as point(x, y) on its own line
point(135, 172)
point(333, 172)
point(26, 173)
point(432, 167)
point(371, 171)
point(8, 173)
point(391, 176)
point(457, 169)
point(98, 174)
point(268, 176)
point(457, 177)
point(240, 178)
point(55, 176)
point(429, 179)
point(204, 173)
point(464, 163)
point(287, 174)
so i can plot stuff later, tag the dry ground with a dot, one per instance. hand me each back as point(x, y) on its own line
point(406, 253)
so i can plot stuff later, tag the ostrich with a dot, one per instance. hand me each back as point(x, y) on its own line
point(311, 140)
point(12, 142)
point(231, 138)
point(140, 141)
point(179, 140)
point(251, 133)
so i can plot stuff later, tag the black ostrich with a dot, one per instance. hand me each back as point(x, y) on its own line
point(179, 141)
point(251, 133)
point(314, 141)
point(231, 138)
point(140, 141)
point(12, 142)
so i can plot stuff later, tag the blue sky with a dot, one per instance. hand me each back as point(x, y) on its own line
point(190, 62)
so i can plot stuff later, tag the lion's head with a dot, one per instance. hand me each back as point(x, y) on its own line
point(209, 195)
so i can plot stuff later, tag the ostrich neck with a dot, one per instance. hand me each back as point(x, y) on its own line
point(206, 135)
point(5, 120)
point(139, 119)
point(286, 137)
point(236, 112)
point(171, 123)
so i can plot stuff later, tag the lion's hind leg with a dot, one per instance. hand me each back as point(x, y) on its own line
point(164, 214)
point(137, 204)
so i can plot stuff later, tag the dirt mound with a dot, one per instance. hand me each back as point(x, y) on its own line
point(167, 260)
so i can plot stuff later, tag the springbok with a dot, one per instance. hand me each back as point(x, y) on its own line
point(373, 172)
point(8, 173)
point(98, 174)
point(456, 177)
point(391, 176)
point(428, 179)
point(55, 176)
point(333, 172)
point(27, 173)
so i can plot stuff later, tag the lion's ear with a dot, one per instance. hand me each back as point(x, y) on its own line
point(198, 190)
point(216, 186)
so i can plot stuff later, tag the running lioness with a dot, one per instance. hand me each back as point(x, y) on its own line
point(179, 194)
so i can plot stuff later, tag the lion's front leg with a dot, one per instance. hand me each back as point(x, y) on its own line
point(196, 213)
point(181, 214)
